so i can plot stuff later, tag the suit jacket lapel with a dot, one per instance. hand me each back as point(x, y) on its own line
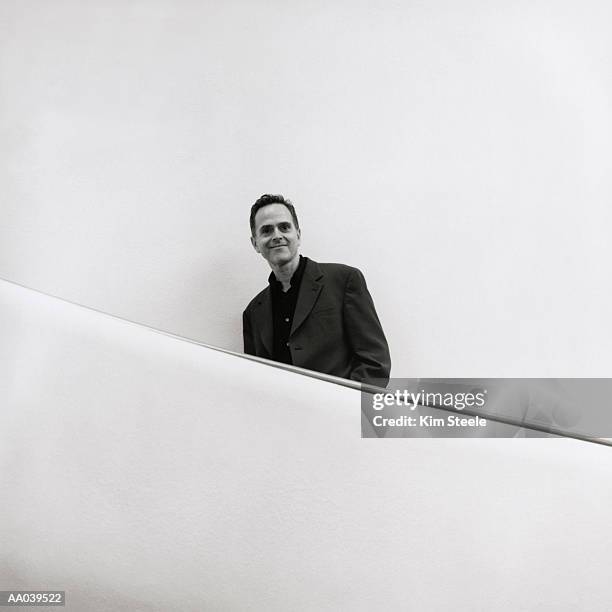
point(312, 284)
point(263, 321)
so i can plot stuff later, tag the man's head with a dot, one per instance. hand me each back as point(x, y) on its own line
point(275, 231)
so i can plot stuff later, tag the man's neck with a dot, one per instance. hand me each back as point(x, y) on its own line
point(285, 271)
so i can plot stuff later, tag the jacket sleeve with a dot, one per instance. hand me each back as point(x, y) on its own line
point(371, 358)
point(247, 335)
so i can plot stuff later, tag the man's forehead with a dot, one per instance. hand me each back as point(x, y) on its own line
point(272, 214)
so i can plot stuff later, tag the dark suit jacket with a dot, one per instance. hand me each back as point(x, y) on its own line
point(335, 328)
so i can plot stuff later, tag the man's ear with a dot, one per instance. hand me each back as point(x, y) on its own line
point(254, 243)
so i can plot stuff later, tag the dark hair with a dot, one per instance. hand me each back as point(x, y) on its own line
point(267, 199)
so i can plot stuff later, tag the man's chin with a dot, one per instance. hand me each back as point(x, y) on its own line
point(279, 259)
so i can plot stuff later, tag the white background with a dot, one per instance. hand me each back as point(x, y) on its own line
point(458, 153)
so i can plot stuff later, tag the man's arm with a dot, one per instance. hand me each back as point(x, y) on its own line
point(371, 357)
point(249, 344)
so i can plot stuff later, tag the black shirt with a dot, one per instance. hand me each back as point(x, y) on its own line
point(283, 309)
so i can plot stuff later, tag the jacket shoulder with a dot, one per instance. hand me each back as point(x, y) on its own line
point(338, 270)
point(257, 299)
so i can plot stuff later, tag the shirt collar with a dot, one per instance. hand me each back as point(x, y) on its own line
point(295, 279)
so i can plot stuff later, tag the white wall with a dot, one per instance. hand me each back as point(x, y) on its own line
point(457, 152)
point(140, 472)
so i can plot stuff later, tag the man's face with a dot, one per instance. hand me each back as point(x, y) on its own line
point(276, 237)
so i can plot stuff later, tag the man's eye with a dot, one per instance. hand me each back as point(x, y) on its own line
point(264, 230)
point(285, 227)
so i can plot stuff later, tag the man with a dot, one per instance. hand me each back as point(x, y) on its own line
point(317, 316)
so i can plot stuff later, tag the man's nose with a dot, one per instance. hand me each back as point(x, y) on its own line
point(276, 234)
